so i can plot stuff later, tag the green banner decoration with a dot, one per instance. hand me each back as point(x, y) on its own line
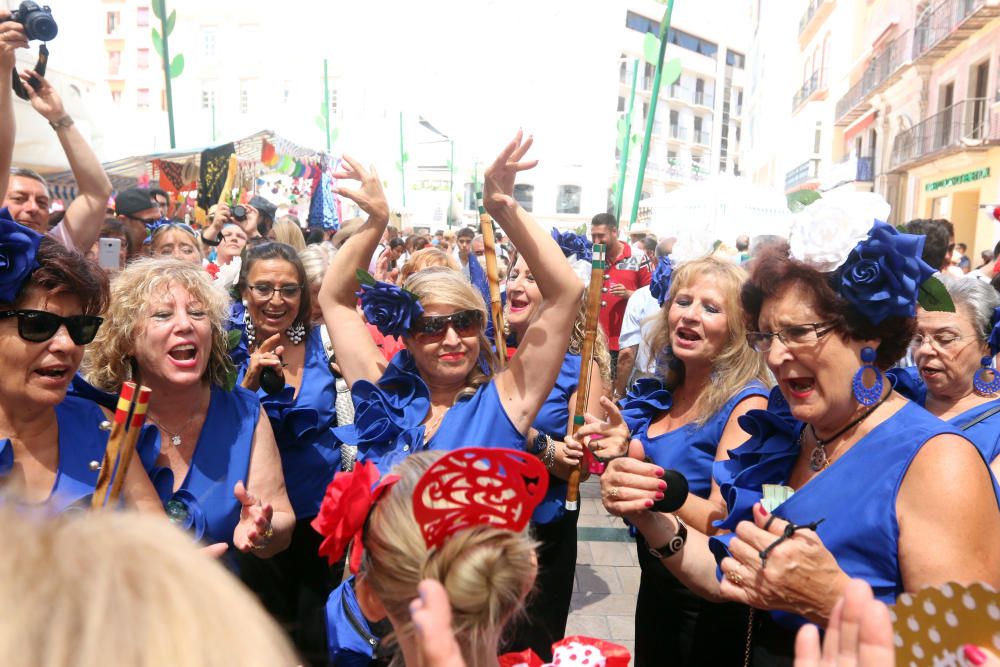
point(799, 199)
point(967, 177)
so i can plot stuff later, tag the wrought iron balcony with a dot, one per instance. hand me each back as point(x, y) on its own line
point(806, 171)
point(879, 73)
point(962, 126)
point(947, 24)
point(811, 11)
point(809, 86)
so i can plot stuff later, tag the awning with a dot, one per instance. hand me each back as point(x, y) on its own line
point(860, 125)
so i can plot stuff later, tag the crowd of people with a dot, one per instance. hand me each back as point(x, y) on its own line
point(796, 432)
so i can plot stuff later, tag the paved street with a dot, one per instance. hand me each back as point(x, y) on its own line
point(607, 574)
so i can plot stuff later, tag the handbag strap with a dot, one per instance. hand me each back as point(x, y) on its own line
point(986, 415)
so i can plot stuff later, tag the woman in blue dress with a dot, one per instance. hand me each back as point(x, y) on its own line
point(685, 419)
point(949, 350)
point(51, 444)
point(859, 483)
point(217, 469)
point(441, 392)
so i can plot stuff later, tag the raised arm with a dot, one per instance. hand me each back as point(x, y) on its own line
point(528, 379)
point(85, 214)
point(357, 354)
point(11, 37)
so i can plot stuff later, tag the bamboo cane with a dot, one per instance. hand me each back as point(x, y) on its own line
point(586, 359)
point(126, 400)
point(493, 276)
point(128, 447)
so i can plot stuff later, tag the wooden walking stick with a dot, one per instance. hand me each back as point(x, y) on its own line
point(130, 414)
point(586, 359)
point(493, 276)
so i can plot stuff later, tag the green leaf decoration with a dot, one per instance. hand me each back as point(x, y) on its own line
point(406, 157)
point(171, 20)
point(933, 297)
point(364, 277)
point(334, 133)
point(231, 374)
point(671, 72)
point(651, 48)
point(177, 66)
point(320, 123)
point(799, 199)
point(158, 42)
point(233, 338)
point(158, 8)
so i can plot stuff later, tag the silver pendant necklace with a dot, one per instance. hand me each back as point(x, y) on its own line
point(175, 438)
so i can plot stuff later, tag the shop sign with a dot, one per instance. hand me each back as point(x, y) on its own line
point(967, 177)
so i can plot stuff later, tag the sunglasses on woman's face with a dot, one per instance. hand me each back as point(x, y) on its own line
point(432, 328)
point(37, 326)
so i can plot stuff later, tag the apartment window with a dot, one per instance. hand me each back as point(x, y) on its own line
point(208, 41)
point(524, 195)
point(142, 98)
point(114, 18)
point(621, 103)
point(334, 105)
point(692, 43)
point(470, 197)
point(640, 23)
point(114, 62)
point(568, 199)
point(142, 17)
point(737, 59)
point(286, 94)
point(207, 96)
point(142, 58)
point(817, 139)
point(675, 120)
point(116, 96)
point(672, 158)
point(244, 98)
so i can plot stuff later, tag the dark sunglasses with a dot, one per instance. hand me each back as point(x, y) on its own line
point(432, 328)
point(37, 326)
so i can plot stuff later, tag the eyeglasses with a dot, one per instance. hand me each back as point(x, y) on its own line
point(265, 291)
point(797, 335)
point(432, 328)
point(37, 326)
point(940, 341)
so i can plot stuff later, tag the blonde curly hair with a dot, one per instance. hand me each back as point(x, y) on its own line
point(109, 359)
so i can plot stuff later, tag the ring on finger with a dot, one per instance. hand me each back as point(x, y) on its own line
point(735, 577)
point(613, 493)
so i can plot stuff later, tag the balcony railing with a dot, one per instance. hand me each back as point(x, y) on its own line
point(810, 12)
point(879, 71)
point(677, 132)
point(809, 86)
point(961, 125)
point(704, 99)
point(937, 30)
point(806, 171)
point(702, 137)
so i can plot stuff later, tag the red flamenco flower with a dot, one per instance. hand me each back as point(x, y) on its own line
point(348, 500)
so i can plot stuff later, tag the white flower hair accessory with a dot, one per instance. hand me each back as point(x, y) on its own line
point(825, 232)
point(229, 274)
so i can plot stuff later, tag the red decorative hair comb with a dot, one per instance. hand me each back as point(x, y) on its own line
point(477, 486)
point(349, 499)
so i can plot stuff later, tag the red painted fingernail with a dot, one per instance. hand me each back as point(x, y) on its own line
point(662, 485)
point(659, 472)
point(974, 654)
point(659, 495)
point(649, 503)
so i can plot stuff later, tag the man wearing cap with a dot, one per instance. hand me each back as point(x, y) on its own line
point(136, 209)
point(25, 193)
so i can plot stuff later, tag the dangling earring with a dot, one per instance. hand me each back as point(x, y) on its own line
point(862, 394)
point(296, 333)
point(979, 383)
point(250, 329)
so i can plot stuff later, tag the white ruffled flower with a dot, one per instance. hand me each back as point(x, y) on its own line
point(228, 274)
point(826, 231)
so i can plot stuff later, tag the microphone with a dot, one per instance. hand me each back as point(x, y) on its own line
point(674, 495)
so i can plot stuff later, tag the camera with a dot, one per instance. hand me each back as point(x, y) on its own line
point(240, 212)
point(37, 21)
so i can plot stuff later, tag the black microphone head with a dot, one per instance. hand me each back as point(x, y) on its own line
point(674, 495)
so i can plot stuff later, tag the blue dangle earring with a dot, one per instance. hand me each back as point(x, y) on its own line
point(862, 394)
point(979, 383)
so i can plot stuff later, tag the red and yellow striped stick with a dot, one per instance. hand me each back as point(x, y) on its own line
point(128, 448)
point(125, 431)
point(586, 359)
point(493, 276)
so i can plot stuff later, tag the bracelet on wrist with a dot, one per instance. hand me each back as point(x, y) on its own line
point(211, 242)
point(62, 122)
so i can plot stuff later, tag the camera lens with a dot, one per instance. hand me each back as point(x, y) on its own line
point(38, 22)
point(240, 212)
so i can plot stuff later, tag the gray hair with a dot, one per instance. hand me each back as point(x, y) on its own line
point(315, 261)
point(24, 172)
point(978, 297)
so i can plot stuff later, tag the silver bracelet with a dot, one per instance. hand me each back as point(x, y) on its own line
point(60, 123)
point(549, 457)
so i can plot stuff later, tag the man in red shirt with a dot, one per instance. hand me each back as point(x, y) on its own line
point(625, 273)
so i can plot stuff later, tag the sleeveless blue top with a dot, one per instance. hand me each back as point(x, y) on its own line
point(855, 496)
point(985, 435)
point(204, 503)
point(303, 425)
point(388, 418)
point(80, 442)
point(689, 449)
point(552, 420)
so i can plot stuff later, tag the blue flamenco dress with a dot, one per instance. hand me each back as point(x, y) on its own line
point(80, 442)
point(855, 497)
point(673, 625)
point(389, 415)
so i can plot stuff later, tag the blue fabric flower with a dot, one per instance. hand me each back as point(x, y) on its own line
point(646, 399)
point(994, 339)
point(908, 383)
point(573, 244)
point(389, 307)
point(659, 286)
point(882, 276)
point(185, 512)
point(766, 458)
point(18, 248)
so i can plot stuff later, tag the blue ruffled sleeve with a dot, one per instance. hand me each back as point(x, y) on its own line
point(646, 399)
point(908, 383)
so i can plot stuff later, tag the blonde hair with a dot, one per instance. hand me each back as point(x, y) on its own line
point(287, 231)
point(602, 356)
point(486, 571)
point(448, 287)
point(737, 364)
point(315, 260)
point(81, 591)
point(108, 359)
point(425, 258)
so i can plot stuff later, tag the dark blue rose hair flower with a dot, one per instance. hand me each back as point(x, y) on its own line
point(573, 244)
point(392, 309)
point(883, 275)
point(994, 339)
point(659, 286)
point(18, 248)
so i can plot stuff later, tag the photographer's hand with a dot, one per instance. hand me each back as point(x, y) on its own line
point(250, 223)
point(12, 37)
point(45, 100)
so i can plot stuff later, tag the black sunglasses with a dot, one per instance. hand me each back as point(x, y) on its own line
point(37, 326)
point(432, 328)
